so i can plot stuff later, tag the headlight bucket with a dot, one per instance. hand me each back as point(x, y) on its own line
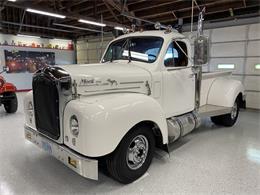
point(74, 126)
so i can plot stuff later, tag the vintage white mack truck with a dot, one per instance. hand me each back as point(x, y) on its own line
point(145, 93)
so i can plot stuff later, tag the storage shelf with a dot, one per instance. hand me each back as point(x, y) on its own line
point(35, 47)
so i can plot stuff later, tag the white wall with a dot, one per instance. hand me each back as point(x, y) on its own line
point(90, 50)
point(24, 80)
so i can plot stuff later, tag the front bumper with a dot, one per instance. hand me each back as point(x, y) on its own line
point(83, 166)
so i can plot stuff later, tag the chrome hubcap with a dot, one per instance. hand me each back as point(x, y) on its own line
point(137, 152)
point(234, 111)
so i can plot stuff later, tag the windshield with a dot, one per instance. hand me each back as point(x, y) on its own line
point(144, 49)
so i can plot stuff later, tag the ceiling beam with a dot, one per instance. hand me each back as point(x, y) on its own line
point(35, 26)
point(244, 2)
point(75, 16)
point(69, 4)
point(87, 5)
point(184, 7)
point(145, 5)
point(121, 8)
point(212, 12)
point(111, 11)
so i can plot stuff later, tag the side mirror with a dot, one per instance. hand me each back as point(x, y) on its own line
point(201, 50)
point(5, 69)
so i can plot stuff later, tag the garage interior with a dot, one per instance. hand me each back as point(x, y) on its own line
point(210, 160)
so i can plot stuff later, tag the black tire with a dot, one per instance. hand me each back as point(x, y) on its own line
point(12, 104)
point(118, 164)
point(227, 120)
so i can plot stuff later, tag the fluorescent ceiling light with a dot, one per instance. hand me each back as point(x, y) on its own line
point(257, 66)
point(45, 13)
point(12, 0)
point(91, 22)
point(226, 66)
point(119, 28)
point(28, 36)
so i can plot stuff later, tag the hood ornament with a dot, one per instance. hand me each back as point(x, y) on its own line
point(112, 82)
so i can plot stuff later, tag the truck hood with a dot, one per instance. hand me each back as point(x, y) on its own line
point(108, 78)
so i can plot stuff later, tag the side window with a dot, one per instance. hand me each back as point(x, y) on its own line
point(174, 56)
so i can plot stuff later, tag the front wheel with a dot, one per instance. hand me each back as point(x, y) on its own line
point(11, 104)
point(227, 120)
point(133, 156)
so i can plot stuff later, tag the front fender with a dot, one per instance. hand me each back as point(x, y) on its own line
point(7, 87)
point(105, 119)
point(224, 91)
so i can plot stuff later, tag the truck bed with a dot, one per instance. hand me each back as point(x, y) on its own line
point(209, 75)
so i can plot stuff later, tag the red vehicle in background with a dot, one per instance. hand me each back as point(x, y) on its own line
point(7, 95)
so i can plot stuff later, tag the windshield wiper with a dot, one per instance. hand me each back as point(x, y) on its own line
point(111, 59)
point(129, 51)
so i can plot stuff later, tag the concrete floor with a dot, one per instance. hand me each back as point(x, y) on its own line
point(211, 160)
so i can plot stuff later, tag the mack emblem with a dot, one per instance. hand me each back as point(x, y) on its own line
point(112, 82)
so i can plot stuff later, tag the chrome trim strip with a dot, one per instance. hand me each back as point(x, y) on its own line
point(134, 82)
point(93, 85)
point(215, 74)
point(114, 89)
point(251, 75)
point(235, 57)
point(177, 68)
point(252, 91)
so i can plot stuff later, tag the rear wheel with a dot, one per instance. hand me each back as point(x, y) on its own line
point(11, 104)
point(230, 119)
point(133, 156)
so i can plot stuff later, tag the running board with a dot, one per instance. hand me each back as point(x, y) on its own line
point(211, 110)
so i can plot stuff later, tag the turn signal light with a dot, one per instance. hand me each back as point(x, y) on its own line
point(72, 162)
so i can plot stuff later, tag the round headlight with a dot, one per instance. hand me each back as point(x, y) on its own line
point(74, 126)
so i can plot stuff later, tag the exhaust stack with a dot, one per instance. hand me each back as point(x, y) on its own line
point(200, 57)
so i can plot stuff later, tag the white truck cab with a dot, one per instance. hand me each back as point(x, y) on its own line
point(143, 94)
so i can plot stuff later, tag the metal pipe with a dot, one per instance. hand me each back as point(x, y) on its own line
point(198, 67)
point(76, 27)
point(34, 26)
point(191, 24)
point(20, 28)
point(102, 37)
point(200, 22)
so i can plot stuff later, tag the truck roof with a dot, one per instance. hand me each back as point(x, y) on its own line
point(158, 33)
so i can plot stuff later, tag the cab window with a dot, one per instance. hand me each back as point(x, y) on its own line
point(174, 56)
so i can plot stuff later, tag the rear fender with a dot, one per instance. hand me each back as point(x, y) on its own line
point(224, 91)
point(105, 119)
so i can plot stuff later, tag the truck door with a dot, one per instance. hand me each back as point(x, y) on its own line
point(179, 80)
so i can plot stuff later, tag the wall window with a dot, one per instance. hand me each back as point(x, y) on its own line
point(174, 56)
point(226, 66)
point(257, 66)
